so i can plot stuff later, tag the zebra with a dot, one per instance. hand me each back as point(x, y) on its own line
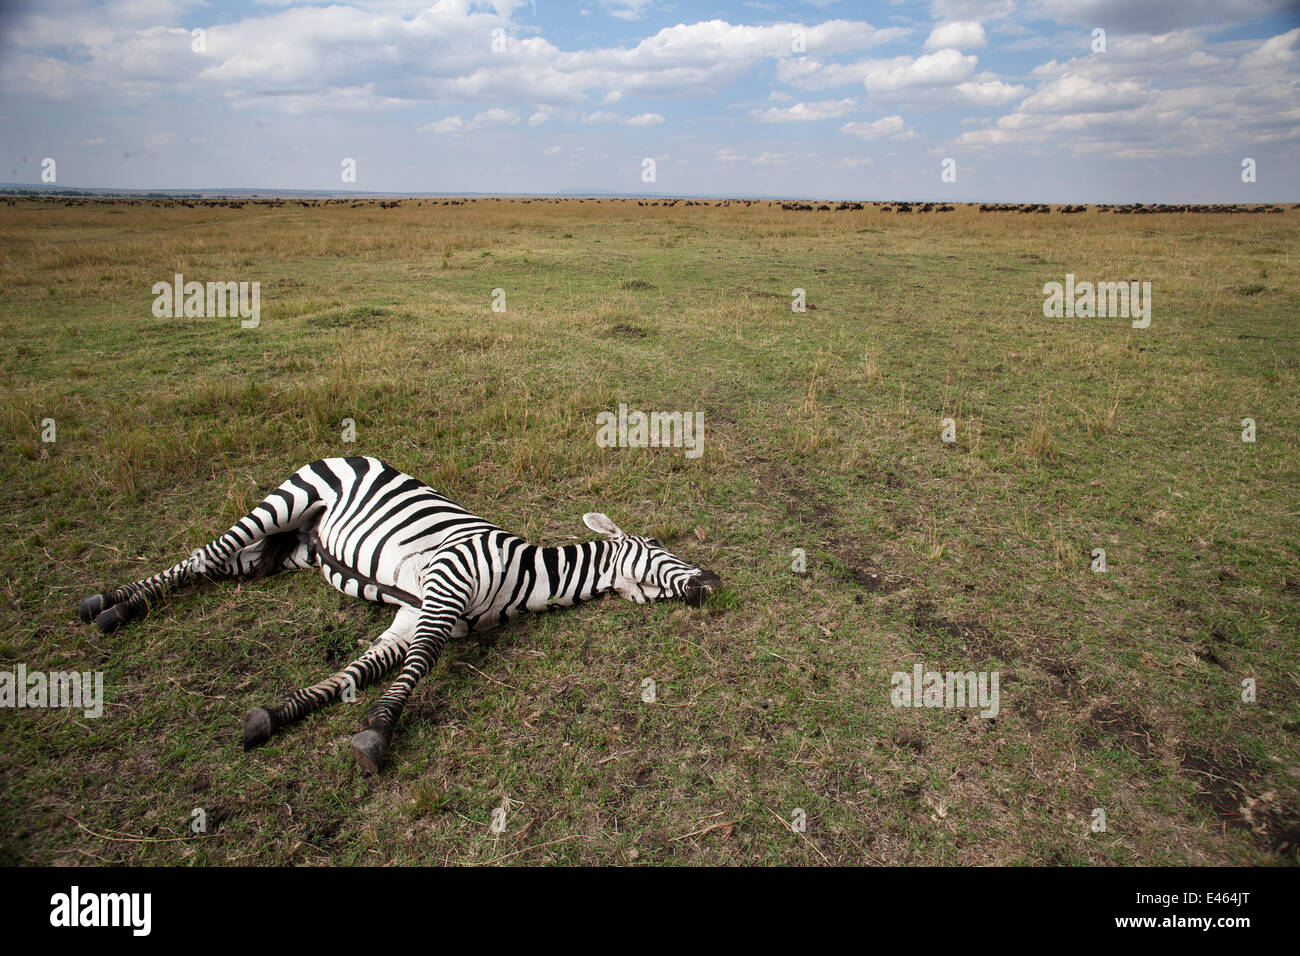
point(381, 535)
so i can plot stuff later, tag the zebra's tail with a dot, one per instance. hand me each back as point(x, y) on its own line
point(264, 541)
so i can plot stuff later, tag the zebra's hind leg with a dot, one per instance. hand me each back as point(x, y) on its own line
point(383, 656)
point(270, 538)
point(111, 609)
point(223, 558)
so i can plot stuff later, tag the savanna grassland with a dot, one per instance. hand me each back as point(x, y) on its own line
point(1120, 691)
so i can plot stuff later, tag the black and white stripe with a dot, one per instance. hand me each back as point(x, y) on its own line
point(382, 535)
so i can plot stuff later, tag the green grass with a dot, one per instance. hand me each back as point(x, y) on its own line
point(1120, 691)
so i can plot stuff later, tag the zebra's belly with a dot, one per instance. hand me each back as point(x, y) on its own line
point(395, 582)
point(404, 592)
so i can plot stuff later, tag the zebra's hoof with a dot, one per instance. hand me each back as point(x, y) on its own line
point(259, 724)
point(91, 607)
point(110, 620)
point(369, 747)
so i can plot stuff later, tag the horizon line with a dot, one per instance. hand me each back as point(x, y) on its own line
point(205, 193)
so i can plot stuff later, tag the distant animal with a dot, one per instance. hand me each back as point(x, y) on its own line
point(381, 535)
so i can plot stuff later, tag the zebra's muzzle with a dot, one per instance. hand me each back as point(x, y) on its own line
point(700, 587)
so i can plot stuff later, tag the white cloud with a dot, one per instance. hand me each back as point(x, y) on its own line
point(956, 34)
point(989, 92)
point(1170, 83)
point(1279, 51)
point(627, 9)
point(933, 69)
point(496, 117)
point(454, 124)
point(1163, 58)
point(775, 159)
point(1153, 96)
point(823, 109)
point(943, 67)
point(1127, 16)
point(1074, 93)
point(887, 126)
point(395, 51)
point(972, 9)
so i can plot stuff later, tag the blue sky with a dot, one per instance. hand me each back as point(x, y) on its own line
point(826, 99)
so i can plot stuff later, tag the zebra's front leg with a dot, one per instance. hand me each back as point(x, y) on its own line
point(385, 654)
point(437, 618)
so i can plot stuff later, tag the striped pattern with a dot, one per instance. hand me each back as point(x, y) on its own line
point(379, 534)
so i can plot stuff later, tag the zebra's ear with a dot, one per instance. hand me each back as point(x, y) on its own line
point(600, 523)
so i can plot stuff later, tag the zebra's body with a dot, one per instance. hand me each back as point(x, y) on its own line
point(381, 535)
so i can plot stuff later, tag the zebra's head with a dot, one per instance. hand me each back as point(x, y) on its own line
point(644, 570)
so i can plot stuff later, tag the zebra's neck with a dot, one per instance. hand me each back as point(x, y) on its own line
point(582, 571)
point(555, 577)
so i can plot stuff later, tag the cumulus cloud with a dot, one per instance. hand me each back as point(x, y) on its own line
point(932, 69)
point(1075, 93)
point(627, 9)
point(1125, 16)
point(1171, 82)
point(454, 124)
point(898, 73)
point(803, 112)
point(983, 10)
point(887, 126)
point(1278, 51)
point(408, 52)
point(956, 34)
point(1149, 96)
point(988, 92)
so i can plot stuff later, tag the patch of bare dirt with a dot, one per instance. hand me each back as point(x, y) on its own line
point(1125, 727)
point(978, 641)
point(1065, 679)
point(801, 500)
point(1228, 783)
point(866, 568)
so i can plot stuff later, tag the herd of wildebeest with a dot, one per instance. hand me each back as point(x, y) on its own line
point(789, 206)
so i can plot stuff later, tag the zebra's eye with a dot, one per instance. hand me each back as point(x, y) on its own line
point(654, 543)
